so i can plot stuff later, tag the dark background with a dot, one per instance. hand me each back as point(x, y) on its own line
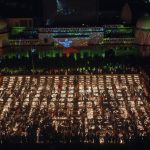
point(74, 12)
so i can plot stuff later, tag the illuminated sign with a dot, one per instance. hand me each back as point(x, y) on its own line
point(67, 43)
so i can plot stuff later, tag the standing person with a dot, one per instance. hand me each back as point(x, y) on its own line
point(38, 135)
point(1, 137)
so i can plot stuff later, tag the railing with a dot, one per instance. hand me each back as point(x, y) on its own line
point(118, 41)
point(24, 42)
point(62, 30)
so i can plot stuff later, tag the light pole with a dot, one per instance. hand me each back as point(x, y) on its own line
point(32, 53)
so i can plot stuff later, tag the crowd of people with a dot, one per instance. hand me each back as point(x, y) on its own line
point(85, 70)
point(74, 109)
point(34, 64)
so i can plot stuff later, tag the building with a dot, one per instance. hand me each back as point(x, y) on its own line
point(142, 33)
point(3, 32)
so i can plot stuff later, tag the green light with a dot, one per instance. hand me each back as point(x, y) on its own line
point(75, 57)
point(82, 55)
point(92, 54)
point(53, 54)
point(17, 30)
point(60, 54)
point(89, 53)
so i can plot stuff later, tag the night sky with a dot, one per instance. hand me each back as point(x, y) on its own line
point(69, 10)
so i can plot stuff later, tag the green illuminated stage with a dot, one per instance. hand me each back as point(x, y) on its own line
point(26, 60)
point(52, 52)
